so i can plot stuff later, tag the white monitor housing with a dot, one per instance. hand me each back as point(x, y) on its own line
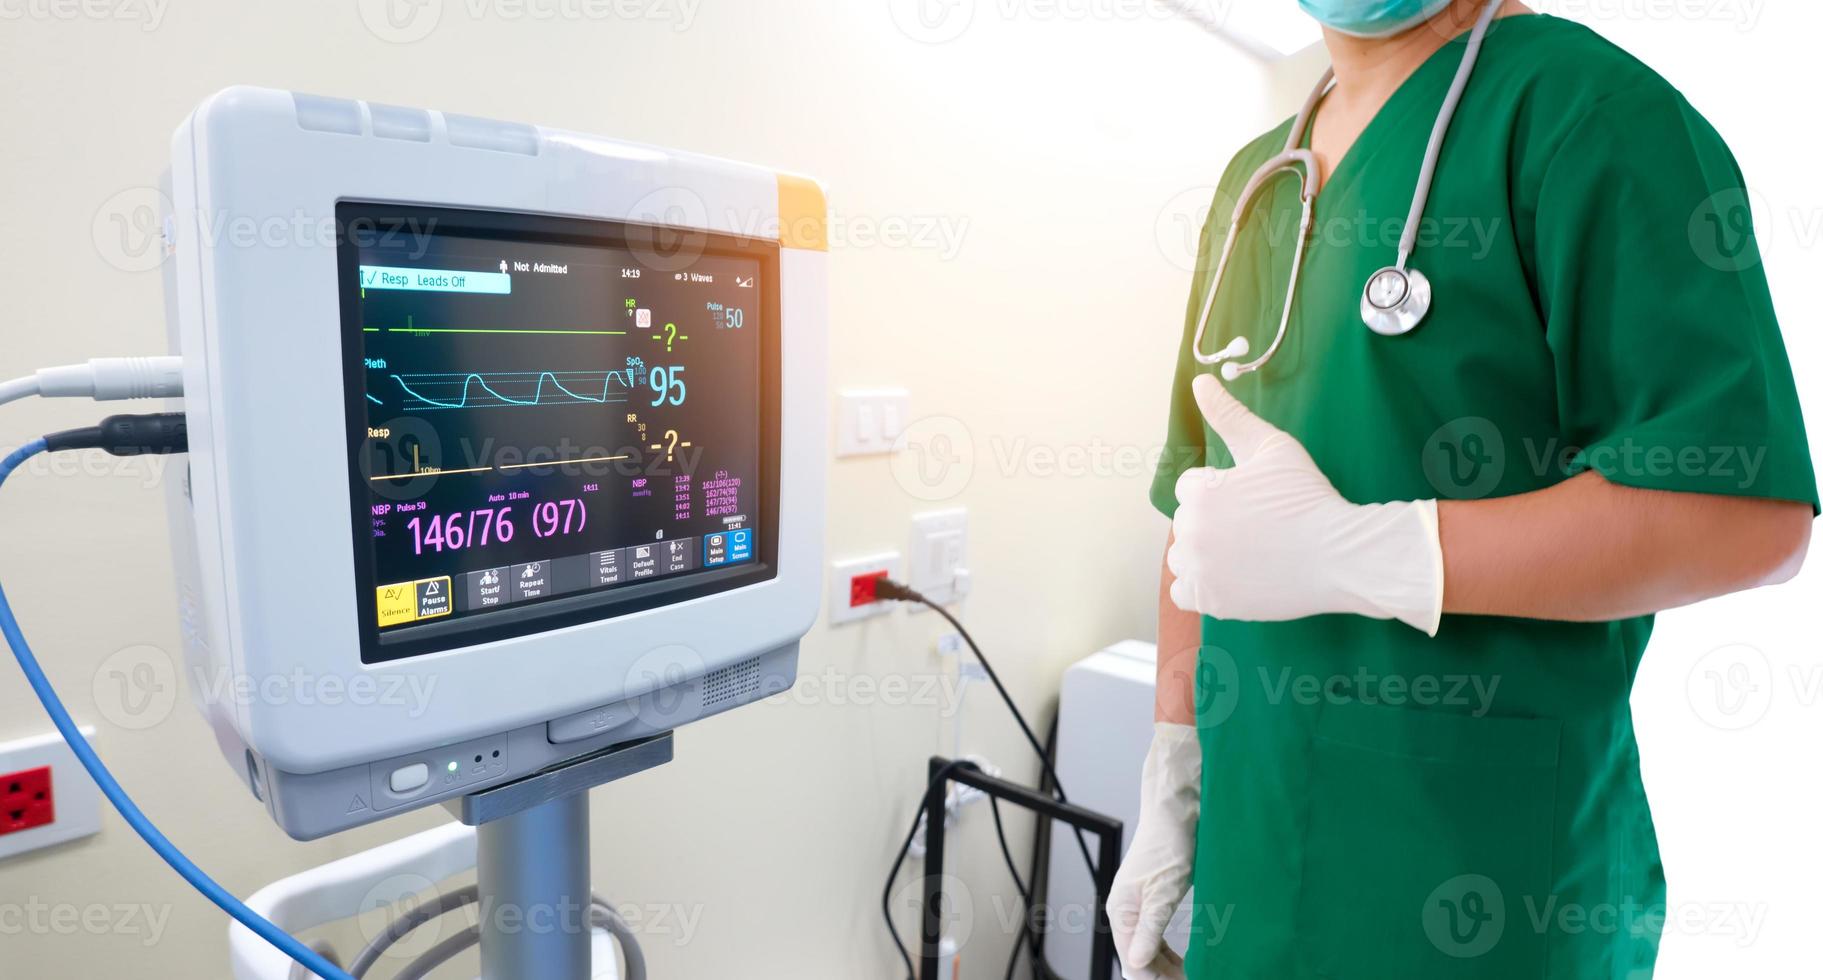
point(506, 443)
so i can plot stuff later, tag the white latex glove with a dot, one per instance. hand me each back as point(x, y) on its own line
point(1270, 539)
point(1155, 873)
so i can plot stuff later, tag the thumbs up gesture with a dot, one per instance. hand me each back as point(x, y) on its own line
point(1270, 539)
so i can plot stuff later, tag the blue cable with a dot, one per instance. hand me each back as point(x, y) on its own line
point(85, 754)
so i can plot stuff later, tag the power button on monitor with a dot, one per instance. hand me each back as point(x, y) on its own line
point(407, 778)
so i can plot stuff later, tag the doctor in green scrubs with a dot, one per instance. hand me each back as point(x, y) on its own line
point(1412, 572)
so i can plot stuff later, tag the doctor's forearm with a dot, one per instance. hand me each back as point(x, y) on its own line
point(1588, 549)
point(1179, 635)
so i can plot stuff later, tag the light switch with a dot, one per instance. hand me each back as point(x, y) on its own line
point(870, 420)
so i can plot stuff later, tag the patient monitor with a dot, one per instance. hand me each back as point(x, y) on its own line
point(506, 444)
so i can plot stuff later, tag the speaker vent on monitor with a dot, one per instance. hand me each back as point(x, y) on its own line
point(732, 683)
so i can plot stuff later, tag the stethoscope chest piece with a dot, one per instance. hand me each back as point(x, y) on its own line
point(1395, 301)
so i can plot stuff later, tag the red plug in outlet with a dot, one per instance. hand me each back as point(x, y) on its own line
point(863, 590)
point(26, 800)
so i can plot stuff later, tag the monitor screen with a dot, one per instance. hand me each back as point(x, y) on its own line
point(551, 420)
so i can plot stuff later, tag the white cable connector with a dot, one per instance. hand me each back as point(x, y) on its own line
point(114, 378)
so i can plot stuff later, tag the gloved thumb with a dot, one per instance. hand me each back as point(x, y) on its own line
point(1160, 962)
point(1244, 432)
point(1141, 956)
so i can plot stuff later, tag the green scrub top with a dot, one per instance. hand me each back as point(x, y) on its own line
point(1378, 804)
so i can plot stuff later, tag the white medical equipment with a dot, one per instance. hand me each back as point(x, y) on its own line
point(1396, 297)
point(506, 459)
point(1104, 726)
point(483, 464)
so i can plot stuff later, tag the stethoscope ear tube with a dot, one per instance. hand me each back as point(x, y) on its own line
point(1396, 298)
point(1303, 164)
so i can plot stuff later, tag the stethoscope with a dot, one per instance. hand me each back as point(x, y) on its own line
point(1397, 297)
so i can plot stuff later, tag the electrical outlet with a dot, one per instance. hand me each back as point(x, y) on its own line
point(851, 586)
point(939, 552)
point(71, 803)
point(864, 589)
point(26, 800)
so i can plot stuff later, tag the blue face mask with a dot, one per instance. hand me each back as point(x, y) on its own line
point(1372, 18)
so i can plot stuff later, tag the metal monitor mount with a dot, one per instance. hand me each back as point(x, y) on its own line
point(533, 861)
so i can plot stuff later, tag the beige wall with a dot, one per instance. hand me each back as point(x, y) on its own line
point(1011, 217)
point(1012, 210)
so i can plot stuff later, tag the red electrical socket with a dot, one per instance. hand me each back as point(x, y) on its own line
point(863, 590)
point(26, 800)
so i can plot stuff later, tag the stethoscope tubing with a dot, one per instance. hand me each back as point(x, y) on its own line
point(1303, 164)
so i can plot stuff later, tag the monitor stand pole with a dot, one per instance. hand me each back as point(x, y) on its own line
point(533, 862)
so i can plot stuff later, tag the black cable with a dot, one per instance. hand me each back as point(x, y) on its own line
point(158, 434)
point(886, 588)
point(1039, 874)
point(1038, 887)
point(939, 777)
point(1006, 852)
point(1025, 893)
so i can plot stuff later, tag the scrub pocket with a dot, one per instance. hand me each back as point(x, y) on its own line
point(1427, 843)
